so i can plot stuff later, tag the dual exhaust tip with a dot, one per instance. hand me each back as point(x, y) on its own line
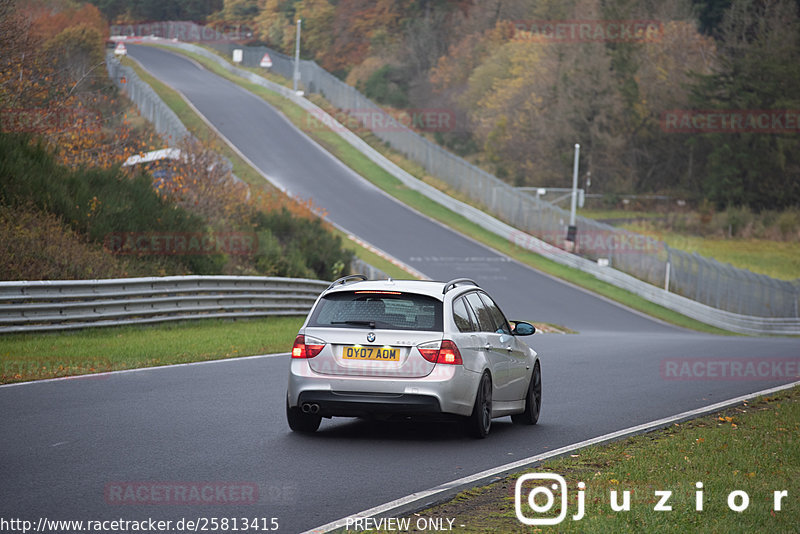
point(310, 407)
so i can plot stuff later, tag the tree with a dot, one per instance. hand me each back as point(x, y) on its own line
point(710, 14)
point(758, 69)
point(152, 10)
point(659, 81)
point(51, 17)
point(78, 51)
point(317, 28)
point(274, 22)
point(534, 100)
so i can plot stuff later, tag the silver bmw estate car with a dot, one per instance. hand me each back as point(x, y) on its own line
point(402, 348)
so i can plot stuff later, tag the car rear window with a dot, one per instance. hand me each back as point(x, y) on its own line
point(380, 310)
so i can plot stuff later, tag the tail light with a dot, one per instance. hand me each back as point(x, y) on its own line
point(441, 352)
point(306, 346)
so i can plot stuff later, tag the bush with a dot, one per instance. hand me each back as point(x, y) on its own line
point(789, 224)
point(95, 202)
point(39, 246)
point(388, 86)
point(297, 246)
point(734, 221)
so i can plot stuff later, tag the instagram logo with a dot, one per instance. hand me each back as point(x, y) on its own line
point(541, 498)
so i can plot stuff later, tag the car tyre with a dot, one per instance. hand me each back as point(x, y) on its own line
point(302, 422)
point(533, 400)
point(479, 422)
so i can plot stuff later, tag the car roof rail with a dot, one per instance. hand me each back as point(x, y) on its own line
point(454, 282)
point(343, 280)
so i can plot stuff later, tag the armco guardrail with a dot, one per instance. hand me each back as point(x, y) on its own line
point(29, 306)
point(735, 322)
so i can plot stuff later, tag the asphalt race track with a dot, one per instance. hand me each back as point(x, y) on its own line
point(70, 448)
point(304, 169)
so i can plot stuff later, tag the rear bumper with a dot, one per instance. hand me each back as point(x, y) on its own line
point(449, 389)
point(355, 404)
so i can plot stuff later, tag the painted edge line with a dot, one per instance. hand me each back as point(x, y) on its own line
point(138, 369)
point(506, 469)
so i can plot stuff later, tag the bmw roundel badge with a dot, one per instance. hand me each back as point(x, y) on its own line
point(370, 337)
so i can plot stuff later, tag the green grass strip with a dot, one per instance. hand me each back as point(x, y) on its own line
point(754, 448)
point(34, 356)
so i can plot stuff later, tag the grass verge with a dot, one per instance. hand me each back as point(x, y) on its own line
point(778, 259)
point(37, 356)
point(375, 174)
point(775, 258)
point(754, 448)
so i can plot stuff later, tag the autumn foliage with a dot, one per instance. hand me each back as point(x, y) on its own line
point(65, 135)
point(53, 83)
point(49, 18)
point(523, 100)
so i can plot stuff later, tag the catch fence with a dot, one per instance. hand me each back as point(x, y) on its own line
point(702, 279)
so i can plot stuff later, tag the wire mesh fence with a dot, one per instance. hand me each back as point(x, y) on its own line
point(701, 279)
point(150, 105)
point(166, 123)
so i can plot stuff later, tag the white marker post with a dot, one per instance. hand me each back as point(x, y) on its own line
point(572, 231)
point(296, 76)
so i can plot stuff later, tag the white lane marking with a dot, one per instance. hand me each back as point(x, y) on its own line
point(465, 482)
point(139, 369)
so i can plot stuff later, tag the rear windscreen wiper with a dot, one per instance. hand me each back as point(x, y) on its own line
point(370, 324)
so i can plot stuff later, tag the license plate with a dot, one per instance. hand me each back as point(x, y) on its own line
point(382, 354)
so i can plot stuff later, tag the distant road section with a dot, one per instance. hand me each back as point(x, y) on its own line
point(304, 169)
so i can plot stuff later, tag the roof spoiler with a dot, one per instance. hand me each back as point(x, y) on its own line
point(343, 280)
point(453, 283)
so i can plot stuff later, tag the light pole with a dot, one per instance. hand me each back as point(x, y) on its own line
point(573, 230)
point(297, 58)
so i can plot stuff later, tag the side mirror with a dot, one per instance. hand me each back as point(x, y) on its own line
point(521, 328)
